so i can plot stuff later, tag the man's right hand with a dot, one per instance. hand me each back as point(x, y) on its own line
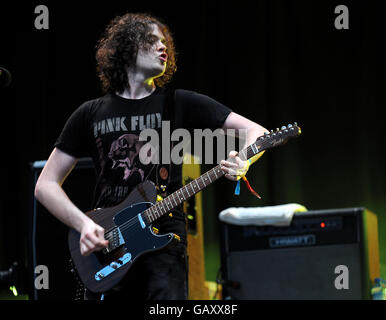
point(92, 238)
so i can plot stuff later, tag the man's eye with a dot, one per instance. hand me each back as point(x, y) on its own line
point(152, 39)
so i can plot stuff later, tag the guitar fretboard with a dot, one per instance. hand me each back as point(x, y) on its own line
point(190, 189)
point(183, 194)
point(267, 141)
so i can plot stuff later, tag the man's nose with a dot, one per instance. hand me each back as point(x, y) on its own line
point(161, 47)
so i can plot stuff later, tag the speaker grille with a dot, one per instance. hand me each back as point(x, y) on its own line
point(295, 273)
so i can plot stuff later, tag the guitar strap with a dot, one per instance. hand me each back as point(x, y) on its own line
point(164, 171)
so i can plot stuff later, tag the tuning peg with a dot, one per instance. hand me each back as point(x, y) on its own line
point(277, 129)
point(295, 123)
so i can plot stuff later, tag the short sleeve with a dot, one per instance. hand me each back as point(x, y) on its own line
point(74, 136)
point(198, 111)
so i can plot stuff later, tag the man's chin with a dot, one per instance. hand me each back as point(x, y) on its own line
point(160, 73)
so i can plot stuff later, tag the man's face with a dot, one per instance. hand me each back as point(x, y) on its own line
point(152, 61)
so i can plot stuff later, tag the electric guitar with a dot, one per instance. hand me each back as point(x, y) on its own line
point(129, 224)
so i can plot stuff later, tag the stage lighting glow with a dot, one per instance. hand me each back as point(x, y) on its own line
point(14, 291)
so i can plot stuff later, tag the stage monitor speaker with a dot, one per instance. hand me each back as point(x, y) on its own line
point(324, 254)
point(47, 245)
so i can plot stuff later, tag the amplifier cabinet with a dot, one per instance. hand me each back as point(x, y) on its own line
point(323, 254)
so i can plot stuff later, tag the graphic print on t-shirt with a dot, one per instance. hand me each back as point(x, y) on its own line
point(124, 153)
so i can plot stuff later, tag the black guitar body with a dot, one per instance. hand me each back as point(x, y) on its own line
point(129, 238)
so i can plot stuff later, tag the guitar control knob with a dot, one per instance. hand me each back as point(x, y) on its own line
point(289, 126)
point(283, 127)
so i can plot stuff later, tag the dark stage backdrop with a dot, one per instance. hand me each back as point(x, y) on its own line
point(274, 62)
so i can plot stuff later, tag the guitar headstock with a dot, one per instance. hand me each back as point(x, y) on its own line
point(279, 136)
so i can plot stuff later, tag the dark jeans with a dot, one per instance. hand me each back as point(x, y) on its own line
point(162, 275)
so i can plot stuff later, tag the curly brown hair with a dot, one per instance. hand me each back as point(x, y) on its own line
point(118, 47)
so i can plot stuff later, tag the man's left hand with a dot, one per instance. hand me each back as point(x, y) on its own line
point(234, 168)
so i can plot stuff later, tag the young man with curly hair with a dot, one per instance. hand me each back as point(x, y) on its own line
point(135, 59)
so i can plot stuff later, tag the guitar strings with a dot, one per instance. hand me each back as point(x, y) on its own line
point(126, 226)
point(163, 208)
point(134, 221)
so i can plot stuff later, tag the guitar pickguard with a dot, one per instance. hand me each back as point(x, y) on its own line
point(137, 235)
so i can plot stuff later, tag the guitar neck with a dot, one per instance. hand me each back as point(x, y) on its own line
point(173, 200)
point(267, 141)
point(176, 198)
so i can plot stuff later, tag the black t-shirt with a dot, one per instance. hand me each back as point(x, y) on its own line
point(107, 129)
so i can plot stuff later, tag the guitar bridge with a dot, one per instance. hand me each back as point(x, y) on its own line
point(106, 271)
